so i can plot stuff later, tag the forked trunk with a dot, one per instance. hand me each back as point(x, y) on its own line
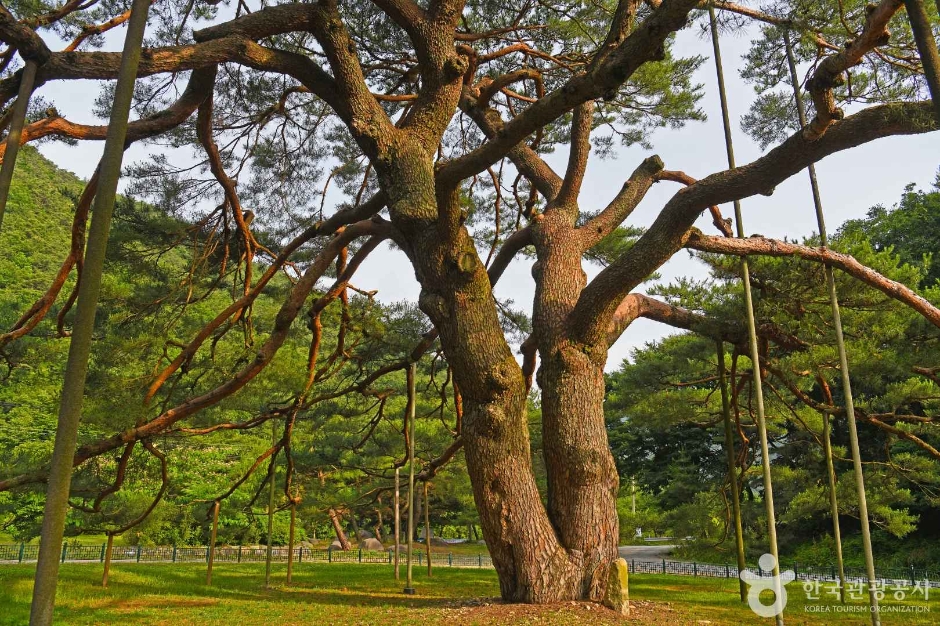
point(531, 561)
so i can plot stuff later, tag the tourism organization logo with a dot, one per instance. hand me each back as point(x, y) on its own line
point(814, 589)
point(757, 583)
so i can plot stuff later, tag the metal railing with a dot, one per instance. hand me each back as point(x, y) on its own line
point(25, 553)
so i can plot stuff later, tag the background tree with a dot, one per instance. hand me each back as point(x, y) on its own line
point(666, 399)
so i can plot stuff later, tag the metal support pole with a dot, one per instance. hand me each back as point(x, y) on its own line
point(427, 525)
point(397, 524)
point(271, 489)
point(751, 327)
point(27, 78)
point(732, 470)
point(633, 495)
point(212, 534)
point(926, 47)
point(834, 504)
point(290, 543)
point(107, 560)
point(73, 386)
point(410, 412)
point(846, 379)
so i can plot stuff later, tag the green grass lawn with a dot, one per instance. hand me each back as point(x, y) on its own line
point(368, 594)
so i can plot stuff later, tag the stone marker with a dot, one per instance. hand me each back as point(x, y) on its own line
point(617, 595)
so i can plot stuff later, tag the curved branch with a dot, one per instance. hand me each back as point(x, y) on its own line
point(721, 223)
point(829, 73)
point(278, 335)
point(589, 320)
point(632, 192)
point(770, 247)
point(643, 44)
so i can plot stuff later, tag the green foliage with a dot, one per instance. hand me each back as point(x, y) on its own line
point(162, 284)
point(664, 410)
point(879, 78)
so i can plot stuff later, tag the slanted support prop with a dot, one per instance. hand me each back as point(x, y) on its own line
point(76, 369)
point(846, 380)
point(751, 329)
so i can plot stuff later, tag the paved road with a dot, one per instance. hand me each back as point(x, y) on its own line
point(646, 553)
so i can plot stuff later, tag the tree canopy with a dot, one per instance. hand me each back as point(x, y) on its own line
point(318, 131)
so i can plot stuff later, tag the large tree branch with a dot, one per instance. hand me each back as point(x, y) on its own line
point(644, 44)
point(632, 192)
point(578, 151)
point(848, 264)
point(513, 244)
point(829, 73)
point(722, 224)
point(104, 66)
point(589, 320)
point(525, 158)
point(197, 90)
point(29, 44)
point(637, 305)
point(364, 117)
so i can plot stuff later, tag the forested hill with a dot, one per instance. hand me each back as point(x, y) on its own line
point(36, 227)
point(165, 280)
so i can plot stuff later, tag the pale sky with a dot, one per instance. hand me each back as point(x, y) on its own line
point(851, 181)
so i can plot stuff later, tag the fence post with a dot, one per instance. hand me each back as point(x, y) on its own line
point(450, 559)
point(664, 566)
point(239, 558)
point(912, 576)
point(694, 568)
point(329, 554)
point(65, 548)
point(22, 550)
point(796, 571)
point(632, 565)
point(480, 559)
point(173, 558)
point(727, 571)
point(138, 553)
point(300, 555)
point(832, 571)
point(101, 557)
point(360, 555)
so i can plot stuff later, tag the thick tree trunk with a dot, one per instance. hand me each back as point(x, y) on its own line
point(582, 476)
point(456, 294)
point(338, 529)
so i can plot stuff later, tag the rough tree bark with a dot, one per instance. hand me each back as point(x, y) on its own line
point(338, 529)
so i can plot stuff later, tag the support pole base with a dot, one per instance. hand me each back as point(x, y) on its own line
point(409, 591)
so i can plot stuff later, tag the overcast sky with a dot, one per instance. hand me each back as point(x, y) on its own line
point(851, 181)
